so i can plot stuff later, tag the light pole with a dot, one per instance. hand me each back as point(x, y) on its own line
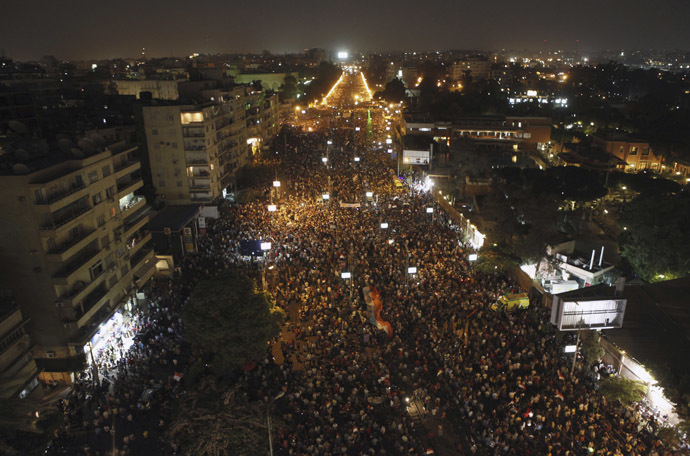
point(268, 420)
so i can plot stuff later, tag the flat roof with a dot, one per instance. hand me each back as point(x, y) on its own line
point(174, 217)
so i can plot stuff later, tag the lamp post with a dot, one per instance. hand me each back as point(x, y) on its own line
point(268, 420)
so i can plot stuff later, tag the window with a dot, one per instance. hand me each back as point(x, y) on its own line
point(120, 251)
point(75, 232)
point(179, 183)
point(154, 132)
point(110, 191)
point(101, 220)
point(633, 150)
point(106, 171)
point(161, 183)
point(105, 241)
point(96, 269)
point(123, 270)
point(645, 151)
point(93, 176)
point(97, 199)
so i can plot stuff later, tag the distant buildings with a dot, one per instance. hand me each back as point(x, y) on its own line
point(159, 88)
point(475, 67)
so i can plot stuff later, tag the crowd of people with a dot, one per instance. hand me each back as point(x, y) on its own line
point(454, 376)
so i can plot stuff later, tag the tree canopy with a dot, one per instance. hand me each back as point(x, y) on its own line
point(656, 236)
point(229, 320)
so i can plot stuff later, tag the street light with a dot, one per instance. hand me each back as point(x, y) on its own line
point(272, 208)
point(268, 420)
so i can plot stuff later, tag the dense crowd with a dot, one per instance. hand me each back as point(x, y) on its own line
point(453, 374)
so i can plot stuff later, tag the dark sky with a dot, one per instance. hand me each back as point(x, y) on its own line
point(120, 28)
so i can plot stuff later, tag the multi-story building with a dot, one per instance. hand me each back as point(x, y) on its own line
point(475, 67)
point(159, 88)
point(18, 371)
point(636, 153)
point(194, 150)
point(73, 244)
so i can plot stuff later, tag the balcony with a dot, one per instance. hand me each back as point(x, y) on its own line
point(70, 247)
point(92, 304)
point(61, 220)
point(199, 183)
point(127, 168)
point(136, 222)
point(132, 206)
point(139, 257)
point(63, 275)
point(73, 297)
point(58, 196)
point(128, 187)
point(138, 241)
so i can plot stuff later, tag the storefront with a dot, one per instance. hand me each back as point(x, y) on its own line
point(115, 336)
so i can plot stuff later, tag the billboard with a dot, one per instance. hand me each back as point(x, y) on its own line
point(572, 313)
point(416, 157)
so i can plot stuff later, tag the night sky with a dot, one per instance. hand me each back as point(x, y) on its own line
point(103, 29)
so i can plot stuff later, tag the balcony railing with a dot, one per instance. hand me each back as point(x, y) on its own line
point(122, 187)
point(66, 219)
point(138, 256)
point(77, 263)
point(124, 164)
point(92, 298)
point(58, 196)
point(71, 243)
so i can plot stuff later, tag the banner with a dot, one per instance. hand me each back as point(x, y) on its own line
point(374, 305)
point(350, 204)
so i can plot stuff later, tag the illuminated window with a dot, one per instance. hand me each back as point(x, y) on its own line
point(189, 117)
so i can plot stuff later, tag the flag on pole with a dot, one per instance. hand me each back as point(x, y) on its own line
point(178, 376)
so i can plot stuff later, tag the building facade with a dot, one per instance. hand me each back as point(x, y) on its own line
point(194, 150)
point(74, 245)
point(159, 88)
point(476, 68)
point(637, 154)
point(18, 371)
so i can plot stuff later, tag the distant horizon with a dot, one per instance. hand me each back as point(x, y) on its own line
point(584, 52)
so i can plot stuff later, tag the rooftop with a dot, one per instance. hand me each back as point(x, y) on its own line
point(174, 217)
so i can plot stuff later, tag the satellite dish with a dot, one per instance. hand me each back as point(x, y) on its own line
point(97, 139)
point(65, 145)
point(20, 168)
point(77, 152)
point(18, 127)
point(21, 155)
point(87, 145)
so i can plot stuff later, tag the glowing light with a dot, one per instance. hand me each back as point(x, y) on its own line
point(412, 270)
point(325, 99)
point(472, 257)
point(429, 210)
point(326, 196)
point(366, 86)
point(369, 194)
point(384, 225)
point(276, 183)
point(272, 208)
point(265, 246)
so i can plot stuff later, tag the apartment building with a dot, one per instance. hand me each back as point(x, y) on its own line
point(159, 88)
point(73, 245)
point(18, 371)
point(194, 150)
point(636, 154)
point(475, 67)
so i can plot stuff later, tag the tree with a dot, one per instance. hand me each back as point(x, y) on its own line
point(213, 421)
point(394, 91)
point(289, 87)
point(656, 236)
point(229, 320)
point(622, 389)
point(590, 347)
point(495, 260)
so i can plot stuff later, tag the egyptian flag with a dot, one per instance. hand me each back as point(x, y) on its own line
point(178, 376)
point(558, 395)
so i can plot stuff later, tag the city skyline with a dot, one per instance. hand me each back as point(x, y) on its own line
point(123, 29)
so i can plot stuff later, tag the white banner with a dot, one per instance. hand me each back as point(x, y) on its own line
point(350, 204)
